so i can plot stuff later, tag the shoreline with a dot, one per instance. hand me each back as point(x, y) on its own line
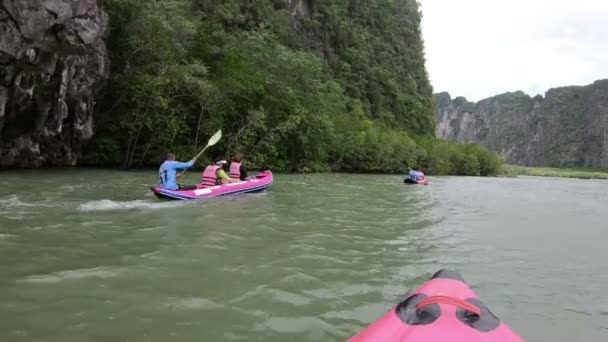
point(580, 173)
point(507, 170)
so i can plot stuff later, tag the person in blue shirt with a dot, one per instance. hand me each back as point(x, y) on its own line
point(168, 173)
point(415, 174)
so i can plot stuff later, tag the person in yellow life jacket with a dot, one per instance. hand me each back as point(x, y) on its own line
point(214, 174)
point(237, 169)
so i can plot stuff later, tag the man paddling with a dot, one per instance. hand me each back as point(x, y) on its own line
point(168, 170)
point(416, 175)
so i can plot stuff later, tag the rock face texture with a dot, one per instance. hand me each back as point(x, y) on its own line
point(568, 127)
point(301, 8)
point(53, 61)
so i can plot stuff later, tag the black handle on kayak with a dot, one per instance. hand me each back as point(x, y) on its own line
point(473, 310)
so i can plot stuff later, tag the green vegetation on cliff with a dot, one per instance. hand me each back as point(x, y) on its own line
point(295, 85)
point(567, 128)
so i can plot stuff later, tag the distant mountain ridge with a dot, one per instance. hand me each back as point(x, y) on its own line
point(566, 127)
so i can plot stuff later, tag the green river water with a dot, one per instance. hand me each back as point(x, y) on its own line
point(91, 255)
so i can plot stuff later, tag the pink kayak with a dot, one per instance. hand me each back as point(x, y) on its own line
point(420, 182)
point(442, 309)
point(260, 182)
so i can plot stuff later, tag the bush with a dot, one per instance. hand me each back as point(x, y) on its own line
point(344, 89)
point(445, 157)
point(490, 163)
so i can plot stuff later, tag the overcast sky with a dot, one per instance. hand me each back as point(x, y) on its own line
point(479, 48)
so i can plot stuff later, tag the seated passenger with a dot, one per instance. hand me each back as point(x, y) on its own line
point(214, 174)
point(237, 169)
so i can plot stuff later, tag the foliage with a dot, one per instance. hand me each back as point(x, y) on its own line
point(446, 157)
point(344, 89)
point(376, 53)
point(582, 173)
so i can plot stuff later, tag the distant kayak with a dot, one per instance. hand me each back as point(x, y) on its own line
point(260, 182)
point(442, 309)
point(421, 182)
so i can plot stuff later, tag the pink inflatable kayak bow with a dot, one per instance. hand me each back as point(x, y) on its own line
point(442, 309)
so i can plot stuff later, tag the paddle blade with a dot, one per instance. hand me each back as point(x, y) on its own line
point(215, 138)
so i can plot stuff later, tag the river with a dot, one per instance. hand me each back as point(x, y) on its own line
point(91, 255)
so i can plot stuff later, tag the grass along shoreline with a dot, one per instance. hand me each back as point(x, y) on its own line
point(582, 173)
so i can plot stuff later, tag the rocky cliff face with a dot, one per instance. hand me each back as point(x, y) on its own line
point(568, 127)
point(53, 61)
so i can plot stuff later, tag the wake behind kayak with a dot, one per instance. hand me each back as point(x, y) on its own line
point(442, 309)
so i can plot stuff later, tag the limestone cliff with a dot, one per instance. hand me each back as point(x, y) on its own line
point(568, 127)
point(53, 61)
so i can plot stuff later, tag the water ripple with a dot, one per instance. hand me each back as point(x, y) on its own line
point(96, 272)
point(316, 258)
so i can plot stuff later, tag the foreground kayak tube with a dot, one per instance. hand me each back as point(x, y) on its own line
point(260, 182)
point(442, 309)
point(421, 182)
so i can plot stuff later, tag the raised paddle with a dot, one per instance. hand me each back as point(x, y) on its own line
point(212, 141)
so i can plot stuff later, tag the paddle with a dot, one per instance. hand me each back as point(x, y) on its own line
point(212, 141)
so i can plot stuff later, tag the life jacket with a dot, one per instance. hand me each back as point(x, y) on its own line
point(235, 170)
point(210, 177)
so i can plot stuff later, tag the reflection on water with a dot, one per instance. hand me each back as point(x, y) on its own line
point(92, 256)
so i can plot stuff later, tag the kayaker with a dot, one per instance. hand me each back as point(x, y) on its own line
point(167, 173)
point(420, 174)
point(237, 169)
point(214, 174)
point(415, 174)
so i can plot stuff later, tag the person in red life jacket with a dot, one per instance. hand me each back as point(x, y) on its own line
point(214, 174)
point(420, 174)
point(237, 169)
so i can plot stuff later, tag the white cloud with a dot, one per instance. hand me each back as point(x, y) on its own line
point(479, 48)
